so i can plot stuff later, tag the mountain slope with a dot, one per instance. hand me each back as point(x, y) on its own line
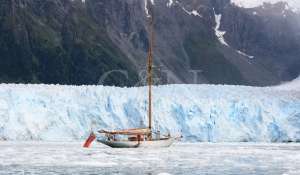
point(55, 42)
point(207, 41)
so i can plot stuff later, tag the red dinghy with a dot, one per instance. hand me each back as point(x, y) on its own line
point(89, 141)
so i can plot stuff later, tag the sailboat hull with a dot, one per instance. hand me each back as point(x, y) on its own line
point(135, 144)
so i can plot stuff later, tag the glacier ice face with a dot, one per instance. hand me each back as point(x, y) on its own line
point(290, 86)
point(214, 113)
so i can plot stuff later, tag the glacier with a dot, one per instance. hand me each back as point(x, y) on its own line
point(206, 113)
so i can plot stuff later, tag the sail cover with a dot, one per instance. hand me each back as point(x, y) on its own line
point(138, 131)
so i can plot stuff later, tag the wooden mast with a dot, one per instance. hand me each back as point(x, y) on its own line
point(149, 73)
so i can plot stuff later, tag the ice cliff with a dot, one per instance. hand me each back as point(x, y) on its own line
point(216, 113)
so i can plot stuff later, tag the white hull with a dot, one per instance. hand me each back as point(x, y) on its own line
point(138, 144)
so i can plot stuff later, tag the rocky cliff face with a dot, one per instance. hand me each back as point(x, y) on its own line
point(55, 41)
point(270, 33)
point(196, 41)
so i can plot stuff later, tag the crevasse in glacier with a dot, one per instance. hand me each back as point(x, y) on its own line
point(215, 113)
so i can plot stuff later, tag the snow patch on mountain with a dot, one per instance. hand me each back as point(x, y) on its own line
point(293, 5)
point(83, 1)
point(170, 3)
point(193, 12)
point(220, 34)
point(244, 54)
point(213, 113)
point(146, 9)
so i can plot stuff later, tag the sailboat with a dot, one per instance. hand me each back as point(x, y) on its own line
point(137, 137)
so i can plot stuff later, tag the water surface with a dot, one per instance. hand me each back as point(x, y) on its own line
point(50, 158)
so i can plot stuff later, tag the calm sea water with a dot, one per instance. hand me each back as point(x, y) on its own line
point(46, 158)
